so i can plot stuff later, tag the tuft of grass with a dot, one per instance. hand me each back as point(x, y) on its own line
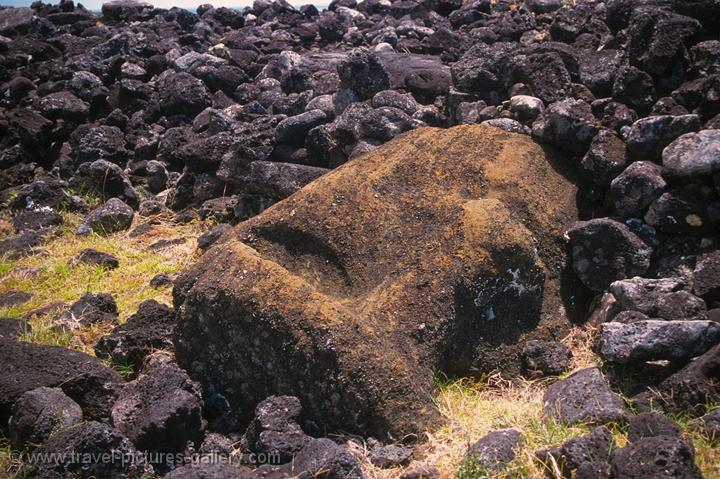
point(52, 276)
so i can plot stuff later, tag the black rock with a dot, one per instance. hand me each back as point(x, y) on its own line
point(12, 328)
point(633, 190)
point(274, 431)
point(90, 309)
point(568, 124)
point(97, 258)
point(162, 409)
point(294, 129)
point(659, 456)
point(84, 378)
point(78, 451)
point(584, 396)
point(649, 136)
point(182, 94)
point(207, 239)
point(650, 424)
point(605, 158)
point(604, 251)
point(634, 88)
point(363, 73)
point(545, 358)
point(40, 413)
point(148, 330)
point(14, 298)
point(104, 180)
point(493, 451)
point(113, 216)
point(390, 456)
point(590, 452)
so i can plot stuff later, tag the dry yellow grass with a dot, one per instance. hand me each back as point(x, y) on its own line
point(53, 278)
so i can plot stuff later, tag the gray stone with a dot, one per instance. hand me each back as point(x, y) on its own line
point(656, 339)
point(493, 451)
point(113, 216)
point(605, 158)
point(633, 190)
point(666, 298)
point(390, 456)
point(693, 154)
point(526, 108)
point(293, 130)
point(568, 124)
point(40, 413)
point(584, 396)
point(648, 136)
point(656, 457)
point(605, 250)
point(162, 409)
point(651, 424)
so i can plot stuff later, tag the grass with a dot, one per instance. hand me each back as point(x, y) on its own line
point(53, 278)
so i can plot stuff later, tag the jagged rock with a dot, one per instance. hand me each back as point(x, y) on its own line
point(207, 239)
point(149, 329)
point(29, 366)
point(493, 451)
point(547, 358)
point(650, 424)
point(362, 73)
point(634, 88)
point(691, 208)
point(203, 470)
point(91, 442)
point(293, 130)
point(88, 310)
point(162, 409)
point(660, 456)
point(519, 287)
point(605, 158)
point(386, 457)
point(14, 298)
point(691, 388)
point(568, 124)
point(633, 190)
point(656, 339)
point(666, 298)
point(274, 429)
point(318, 458)
point(693, 154)
point(182, 94)
point(709, 424)
point(40, 413)
point(649, 136)
point(111, 217)
point(604, 251)
point(590, 453)
point(526, 108)
point(706, 277)
point(584, 396)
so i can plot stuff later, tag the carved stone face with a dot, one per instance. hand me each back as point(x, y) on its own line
point(436, 252)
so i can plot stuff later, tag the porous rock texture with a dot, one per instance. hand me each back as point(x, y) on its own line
point(440, 250)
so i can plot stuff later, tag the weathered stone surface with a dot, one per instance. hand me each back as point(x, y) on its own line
point(494, 450)
point(651, 424)
point(390, 456)
point(584, 396)
point(691, 388)
point(85, 450)
point(693, 154)
point(605, 250)
point(666, 298)
point(432, 270)
point(111, 217)
point(660, 456)
point(274, 430)
point(590, 452)
point(29, 366)
point(656, 339)
point(162, 409)
point(545, 358)
point(38, 414)
point(149, 329)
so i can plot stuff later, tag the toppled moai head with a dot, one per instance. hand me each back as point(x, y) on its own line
point(439, 251)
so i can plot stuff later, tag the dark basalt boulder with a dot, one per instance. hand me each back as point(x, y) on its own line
point(584, 396)
point(286, 270)
point(659, 456)
point(161, 410)
point(83, 451)
point(148, 330)
point(40, 413)
point(83, 378)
